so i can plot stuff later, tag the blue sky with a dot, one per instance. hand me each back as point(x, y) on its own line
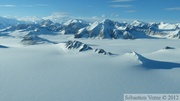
point(122, 10)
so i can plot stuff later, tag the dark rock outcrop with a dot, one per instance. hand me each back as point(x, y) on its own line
point(77, 45)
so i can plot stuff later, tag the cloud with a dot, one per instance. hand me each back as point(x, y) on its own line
point(59, 17)
point(103, 16)
point(35, 5)
point(90, 18)
point(173, 9)
point(27, 5)
point(131, 11)
point(29, 18)
point(117, 5)
point(121, 6)
point(24, 18)
point(41, 5)
point(59, 14)
point(122, 0)
point(7, 5)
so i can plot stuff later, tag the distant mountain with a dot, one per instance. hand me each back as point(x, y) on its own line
point(106, 29)
point(72, 26)
point(136, 29)
point(45, 24)
point(5, 22)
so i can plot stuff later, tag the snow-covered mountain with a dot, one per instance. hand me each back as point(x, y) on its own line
point(45, 24)
point(46, 27)
point(161, 30)
point(136, 29)
point(103, 29)
point(72, 26)
point(5, 22)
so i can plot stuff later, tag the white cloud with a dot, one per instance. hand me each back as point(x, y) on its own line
point(122, 0)
point(131, 11)
point(27, 5)
point(91, 19)
point(36, 5)
point(7, 5)
point(24, 18)
point(173, 9)
point(59, 17)
point(29, 18)
point(94, 17)
point(63, 17)
point(41, 5)
point(103, 16)
point(121, 6)
point(116, 15)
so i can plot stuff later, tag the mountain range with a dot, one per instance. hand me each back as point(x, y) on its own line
point(106, 29)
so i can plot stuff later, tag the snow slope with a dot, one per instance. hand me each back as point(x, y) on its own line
point(51, 72)
point(40, 63)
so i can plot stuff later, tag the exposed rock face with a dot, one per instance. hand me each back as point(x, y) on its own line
point(1, 46)
point(33, 40)
point(127, 35)
point(102, 51)
point(104, 29)
point(84, 47)
point(77, 45)
point(167, 47)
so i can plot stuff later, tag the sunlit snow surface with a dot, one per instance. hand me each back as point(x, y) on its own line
point(51, 72)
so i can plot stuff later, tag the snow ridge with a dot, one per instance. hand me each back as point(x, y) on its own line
point(152, 64)
point(34, 40)
point(84, 47)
